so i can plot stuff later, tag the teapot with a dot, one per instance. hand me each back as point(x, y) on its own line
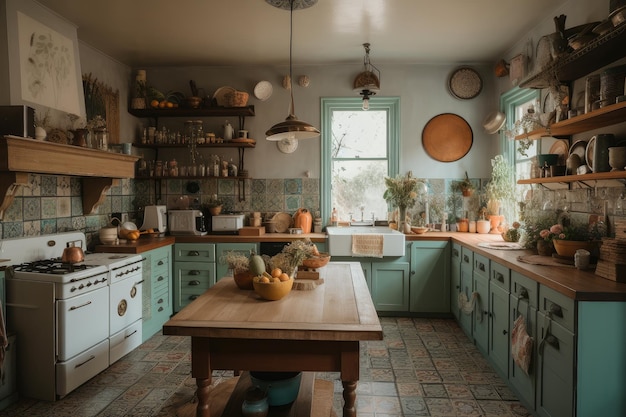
point(73, 254)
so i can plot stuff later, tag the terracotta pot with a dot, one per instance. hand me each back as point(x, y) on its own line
point(544, 248)
point(303, 220)
point(215, 210)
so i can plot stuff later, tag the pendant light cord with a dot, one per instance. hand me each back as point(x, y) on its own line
point(292, 110)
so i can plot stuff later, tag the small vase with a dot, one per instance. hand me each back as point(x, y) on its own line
point(544, 248)
point(402, 219)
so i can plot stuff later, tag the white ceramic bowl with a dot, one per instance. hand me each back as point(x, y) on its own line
point(108, 235)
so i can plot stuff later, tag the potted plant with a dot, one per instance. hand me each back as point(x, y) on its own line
point(500, 191)
point(240, 265)
point(214, 205)
point(466, 186)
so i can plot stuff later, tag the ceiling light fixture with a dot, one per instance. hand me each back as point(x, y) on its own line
point(292, 128)
point(367, 83)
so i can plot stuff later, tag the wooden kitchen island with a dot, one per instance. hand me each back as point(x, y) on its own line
point(314, 330)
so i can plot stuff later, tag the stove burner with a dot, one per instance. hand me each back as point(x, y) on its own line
point(51, 266)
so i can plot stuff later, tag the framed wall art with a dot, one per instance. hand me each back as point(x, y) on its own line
point(44, 65)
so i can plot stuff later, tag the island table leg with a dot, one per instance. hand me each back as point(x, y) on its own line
point(201, 370)
point(349, 398)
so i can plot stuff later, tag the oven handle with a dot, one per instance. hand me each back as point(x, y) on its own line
point(139, 282)
point(80, 306)
point(127, 336)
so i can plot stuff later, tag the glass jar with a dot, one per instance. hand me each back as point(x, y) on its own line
point(101, 139)
point(255, 403)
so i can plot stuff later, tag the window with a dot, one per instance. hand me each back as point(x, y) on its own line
point(515, 104)
point(359, 148)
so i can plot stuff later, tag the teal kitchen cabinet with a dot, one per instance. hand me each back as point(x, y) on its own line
point(221, 268)
point(480, 285)
point(157, 290)
point(390, 286)
point(430, 277)
point(194, 271)
point(555, 354)
point(455, 280)
point(466, 284)
point(499, 332)
point(524, 300)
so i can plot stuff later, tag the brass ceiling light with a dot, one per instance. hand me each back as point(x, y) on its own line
point(367, 83)
point(292, 128)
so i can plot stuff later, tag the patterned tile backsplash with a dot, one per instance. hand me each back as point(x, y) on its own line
point(53, 204)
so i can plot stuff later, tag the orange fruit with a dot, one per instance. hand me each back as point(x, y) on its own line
point(276, 272)
point(265, 279)
point(169, 105)
point(276, 279)
point(154, 103)
point(284, 277)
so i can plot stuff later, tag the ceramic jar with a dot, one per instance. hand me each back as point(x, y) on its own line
point(255, 403)
point(483, 226)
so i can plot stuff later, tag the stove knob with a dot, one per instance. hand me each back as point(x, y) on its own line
point(88, 284)
point(81, 286)
point(72, 289)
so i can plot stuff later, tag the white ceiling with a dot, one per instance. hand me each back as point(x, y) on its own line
point(251, 32)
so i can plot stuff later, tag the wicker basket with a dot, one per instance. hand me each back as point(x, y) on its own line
point(237, 99)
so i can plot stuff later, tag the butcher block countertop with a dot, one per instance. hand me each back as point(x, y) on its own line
point(340, 309)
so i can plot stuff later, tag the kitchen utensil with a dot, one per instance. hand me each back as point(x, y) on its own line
point(578, 148)
point(73, 254)
point(494, 122)
point(617, 158)
point(194, 88)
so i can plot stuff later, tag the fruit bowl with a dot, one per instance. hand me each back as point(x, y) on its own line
point(272, 291)
point(317, 261)
point(419, 230)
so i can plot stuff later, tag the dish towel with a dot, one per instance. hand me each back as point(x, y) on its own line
point(368, 245)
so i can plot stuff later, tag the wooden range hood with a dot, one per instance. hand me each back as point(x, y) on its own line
point(99, 169)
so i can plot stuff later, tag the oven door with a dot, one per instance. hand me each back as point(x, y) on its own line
point(82, 322)
point(126, 303)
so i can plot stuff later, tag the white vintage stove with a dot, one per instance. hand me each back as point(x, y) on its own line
point(72, 321)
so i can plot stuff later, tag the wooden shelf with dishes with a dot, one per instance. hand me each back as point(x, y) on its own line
point(594, 55)
point(605, 116)
point(240, 112)
point(589, 180)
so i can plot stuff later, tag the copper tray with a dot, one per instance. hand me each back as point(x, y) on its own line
point(447, 137)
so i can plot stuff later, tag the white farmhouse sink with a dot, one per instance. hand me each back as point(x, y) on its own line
point(340, 239)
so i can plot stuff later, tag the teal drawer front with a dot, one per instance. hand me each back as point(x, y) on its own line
point(194, 252)
point(467, 257)
point(161, 302)
point(524, 287)
point(481, 265)
point(560, 307)
point(456, 253)
point(500, 276)
point(159, 282)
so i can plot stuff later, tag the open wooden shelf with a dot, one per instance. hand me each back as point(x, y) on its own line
point(606, 116)
point(199, 112)
point(99, 169)
point(594, 179)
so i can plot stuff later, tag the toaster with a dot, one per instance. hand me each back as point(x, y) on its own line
point(186, 222)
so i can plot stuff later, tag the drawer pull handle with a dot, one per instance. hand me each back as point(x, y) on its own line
point(160, 278)
point(160, 263)
point(466, 259)
point(193, 297)
point(194, 272)
point(504, 332)
point(194, 282)
point(160, 309)
point(499, 276)
point(523, 293)
point(552, 341)
point(193, 253)
point(160, 301)
point(480, 266)
point(455, 252)
point(556, 310)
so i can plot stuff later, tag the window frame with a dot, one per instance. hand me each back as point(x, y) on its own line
point(329, 104)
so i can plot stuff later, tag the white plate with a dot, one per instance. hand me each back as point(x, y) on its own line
point(263, 90)
point(589, 152)
point(220, 95)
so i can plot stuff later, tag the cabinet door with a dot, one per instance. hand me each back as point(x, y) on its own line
point(430, 277)
point(221, 268)
point(390, 286)
point(157, 290)
point(480, 324)
point(466, 318)
point(555, 369)
point(455, 279)
point(499, 333)
point(190, 281)
point(523, 384)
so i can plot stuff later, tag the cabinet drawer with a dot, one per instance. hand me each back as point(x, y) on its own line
point(160, 264)
point(560, 307)
point(524, 287)
point(456, 253)
point(161, 301)
point(193, 275)
point(160, 281)
point(481, 265)
point(467, 257)
point(195, 252)
point(500, 276)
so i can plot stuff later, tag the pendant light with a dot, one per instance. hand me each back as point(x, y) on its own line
point(367, 83)
point(292, 128)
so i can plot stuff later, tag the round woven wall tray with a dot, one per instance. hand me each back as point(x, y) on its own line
point(447, 137)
